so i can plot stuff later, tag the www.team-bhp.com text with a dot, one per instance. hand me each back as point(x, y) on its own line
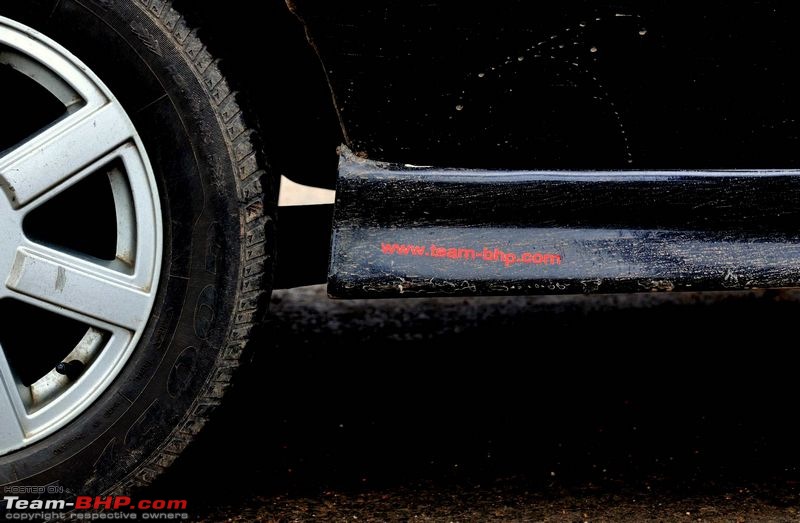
point(460, 253)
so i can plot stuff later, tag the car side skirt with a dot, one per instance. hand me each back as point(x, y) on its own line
point(402, 230)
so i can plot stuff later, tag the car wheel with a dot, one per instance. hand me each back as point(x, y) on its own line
point(134, 240)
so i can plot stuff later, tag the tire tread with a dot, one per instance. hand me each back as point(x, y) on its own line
point(256, 245)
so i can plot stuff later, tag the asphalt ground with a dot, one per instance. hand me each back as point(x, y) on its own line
point(656, 407)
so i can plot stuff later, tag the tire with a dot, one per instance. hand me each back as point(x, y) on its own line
point(216, 202)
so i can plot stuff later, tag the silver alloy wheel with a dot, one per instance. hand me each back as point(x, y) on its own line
point(112, 298)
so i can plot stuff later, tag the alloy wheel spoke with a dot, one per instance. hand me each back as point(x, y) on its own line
point(50, 158)
point(57, 281)
point(11, 407)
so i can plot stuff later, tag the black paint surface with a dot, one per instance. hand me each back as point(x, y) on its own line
point(576, 84)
